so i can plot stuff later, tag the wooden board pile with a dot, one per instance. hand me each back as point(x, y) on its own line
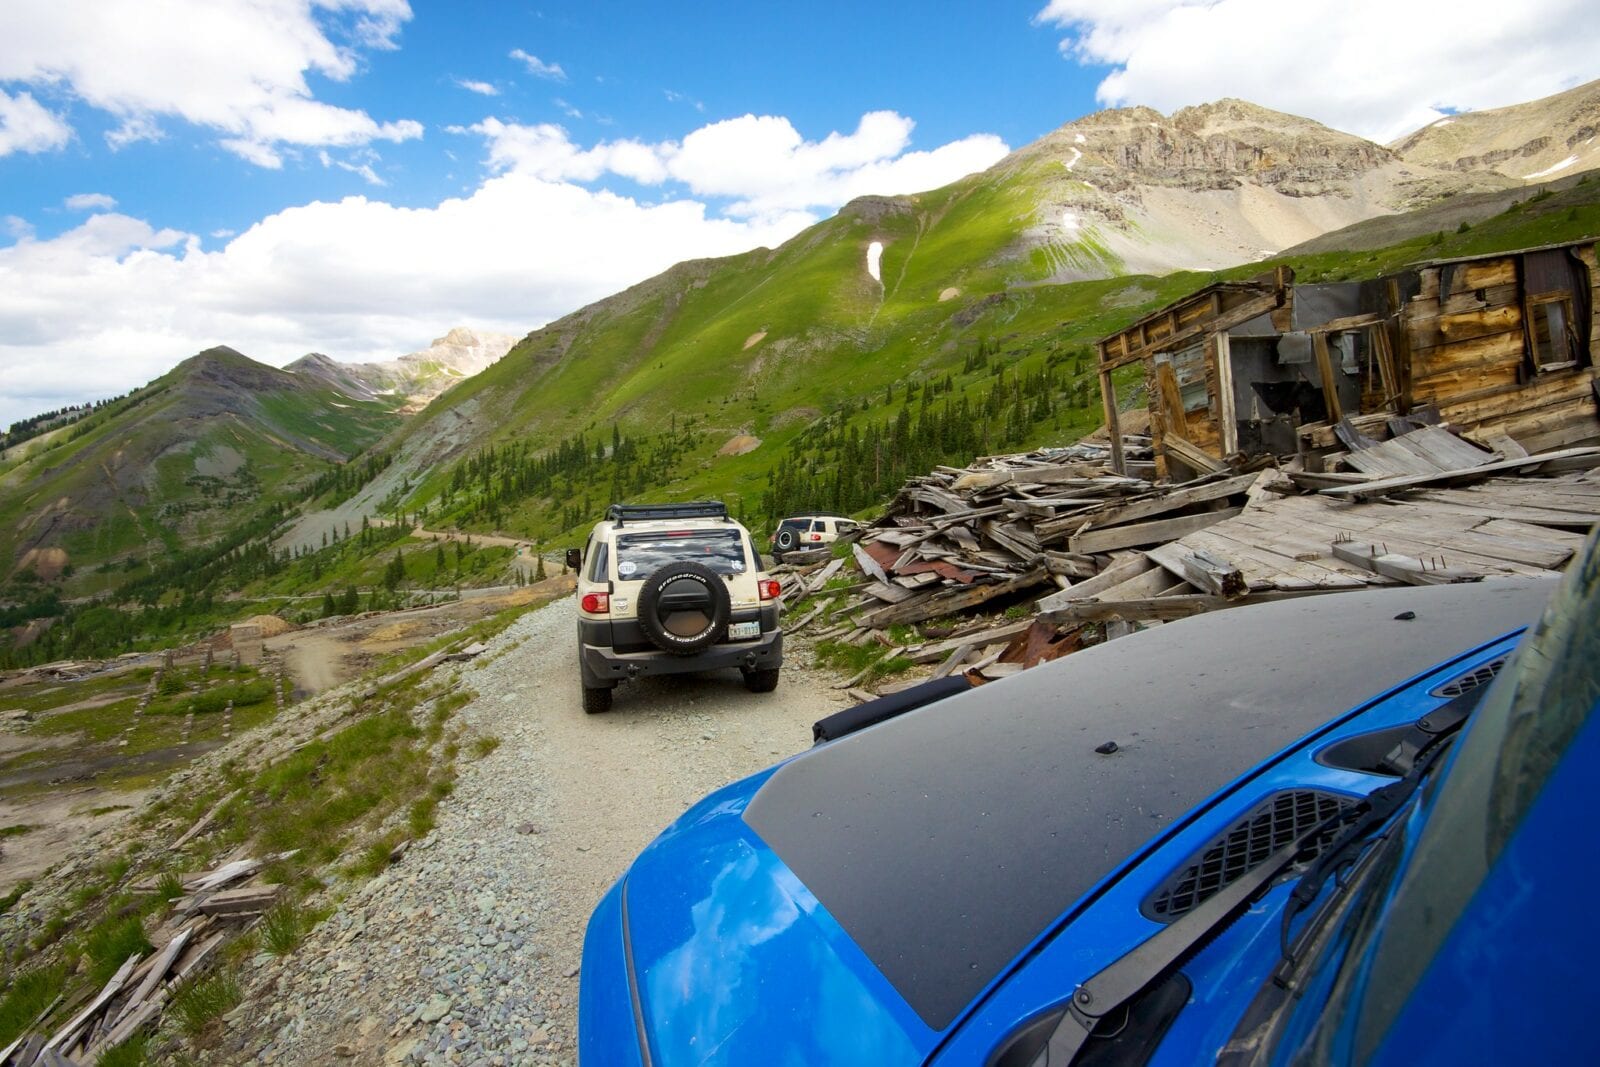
point(1088, 555)
point(216, 906)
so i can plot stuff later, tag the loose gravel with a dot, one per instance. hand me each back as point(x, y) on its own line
point(467, 950)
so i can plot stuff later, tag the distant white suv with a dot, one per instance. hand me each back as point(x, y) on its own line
point(809, 531)
point(672, 588)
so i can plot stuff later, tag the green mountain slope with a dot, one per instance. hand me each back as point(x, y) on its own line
point(969, 343)
point(173, 464)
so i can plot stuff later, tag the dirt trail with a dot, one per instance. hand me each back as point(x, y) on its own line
point(468, 950)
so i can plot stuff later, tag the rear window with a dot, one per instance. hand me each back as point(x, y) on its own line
point(641, 555)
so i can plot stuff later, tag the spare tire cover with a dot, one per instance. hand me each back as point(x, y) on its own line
point(679, 589)
point(787, 538)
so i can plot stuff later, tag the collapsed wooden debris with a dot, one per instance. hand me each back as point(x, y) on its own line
point(1073, 553)
point(202, 920)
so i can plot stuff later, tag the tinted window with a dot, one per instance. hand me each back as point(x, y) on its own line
point(597, 562)
point(641, 555)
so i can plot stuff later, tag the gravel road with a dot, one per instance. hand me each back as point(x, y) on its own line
point(467, 950)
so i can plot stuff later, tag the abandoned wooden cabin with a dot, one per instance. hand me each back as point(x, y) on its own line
point(1500, 346)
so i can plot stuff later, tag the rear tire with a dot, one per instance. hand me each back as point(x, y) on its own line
point(596, 701)
point(787, 541)
point(761, 681)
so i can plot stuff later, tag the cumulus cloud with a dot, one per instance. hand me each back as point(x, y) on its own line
point(28, 126)
point(363, 279)
point(760, 164)
point(89, 202)
point(1371, 67)
point(539, 67)
point(236, 66)
point(481, 88)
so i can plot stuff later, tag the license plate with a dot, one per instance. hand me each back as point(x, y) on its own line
point(743, 630)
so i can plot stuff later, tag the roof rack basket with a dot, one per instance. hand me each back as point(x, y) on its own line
point(622, 514)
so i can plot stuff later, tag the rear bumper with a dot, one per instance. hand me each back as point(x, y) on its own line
point(603, 665)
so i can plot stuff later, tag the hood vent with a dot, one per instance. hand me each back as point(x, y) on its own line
point(1269, 826)
point(1472, 679)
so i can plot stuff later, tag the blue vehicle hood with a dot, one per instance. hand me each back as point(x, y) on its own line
point(862, 895)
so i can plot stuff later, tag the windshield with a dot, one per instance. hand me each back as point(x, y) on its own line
point(1519, 734)
point(642, 554)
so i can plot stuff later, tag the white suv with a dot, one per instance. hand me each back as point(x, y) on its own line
point(671, 588)
point(809, 531)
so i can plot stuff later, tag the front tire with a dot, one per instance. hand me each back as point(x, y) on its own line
point(764, 680)
point(596, 700)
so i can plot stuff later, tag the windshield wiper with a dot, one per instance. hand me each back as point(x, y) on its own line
point(1413, 757)
point(1119, 983)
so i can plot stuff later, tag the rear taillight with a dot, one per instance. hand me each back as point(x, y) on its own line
point(596, 603)
point(816, 537)
point(769, 588)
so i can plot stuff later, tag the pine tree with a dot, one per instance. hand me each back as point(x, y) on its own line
point(328, 607)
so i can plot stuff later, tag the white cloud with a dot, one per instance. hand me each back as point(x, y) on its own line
point(481, 88)
point(567, 109)
point(89, 202)
point(28, 126)
point(234, 66)
point(363, 279)
point(539, 67)
point(1371, 67)
point(760, 163)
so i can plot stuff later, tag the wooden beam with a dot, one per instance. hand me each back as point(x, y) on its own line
point(1147, 533)
point(950, 601)
point(1180, 497)
point(1158, 609)
point(1201, 569)
point(1402, 568)
point(983, 638)
point(1588, 457)
point(1192, 455)
point(1108, 400)
point(1226, 415)
point(1129, 565)
point(1330, 385)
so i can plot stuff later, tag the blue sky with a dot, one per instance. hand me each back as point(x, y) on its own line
point(357, 176)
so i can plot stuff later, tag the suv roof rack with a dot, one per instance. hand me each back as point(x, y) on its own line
point(697, 509)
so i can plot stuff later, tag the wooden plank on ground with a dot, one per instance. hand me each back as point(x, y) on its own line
point(1192, 455)
point(952, 600)
point(70, 1031)
point(1163, 608)
point(1383, 486)
point(954, 660)
point(1147, 533)
point(1180, 496)
point(1201, 569)
point(868, 565)
point(1406, 569)
point(1122, 567)
point(981, 639)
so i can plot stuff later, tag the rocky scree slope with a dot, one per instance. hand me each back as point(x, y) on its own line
point(1548, 138)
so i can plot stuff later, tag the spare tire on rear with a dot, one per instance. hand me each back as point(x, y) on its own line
point(683, 608)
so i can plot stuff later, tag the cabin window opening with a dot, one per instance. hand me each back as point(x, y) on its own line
point(1550, 328)
point(1189, 368)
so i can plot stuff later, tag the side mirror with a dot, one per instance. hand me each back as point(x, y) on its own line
point(574, 558)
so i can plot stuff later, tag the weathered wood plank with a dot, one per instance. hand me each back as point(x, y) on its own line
point(1121, 568)
point(1391, 485)
point(952, 600)
point(1406, 569)
point(1181, 496)
point(1201, 569)
point(981, 639)
point(1147, 533)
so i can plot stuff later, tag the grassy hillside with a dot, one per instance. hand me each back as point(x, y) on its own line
point(848, 383)
point(174, 464)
